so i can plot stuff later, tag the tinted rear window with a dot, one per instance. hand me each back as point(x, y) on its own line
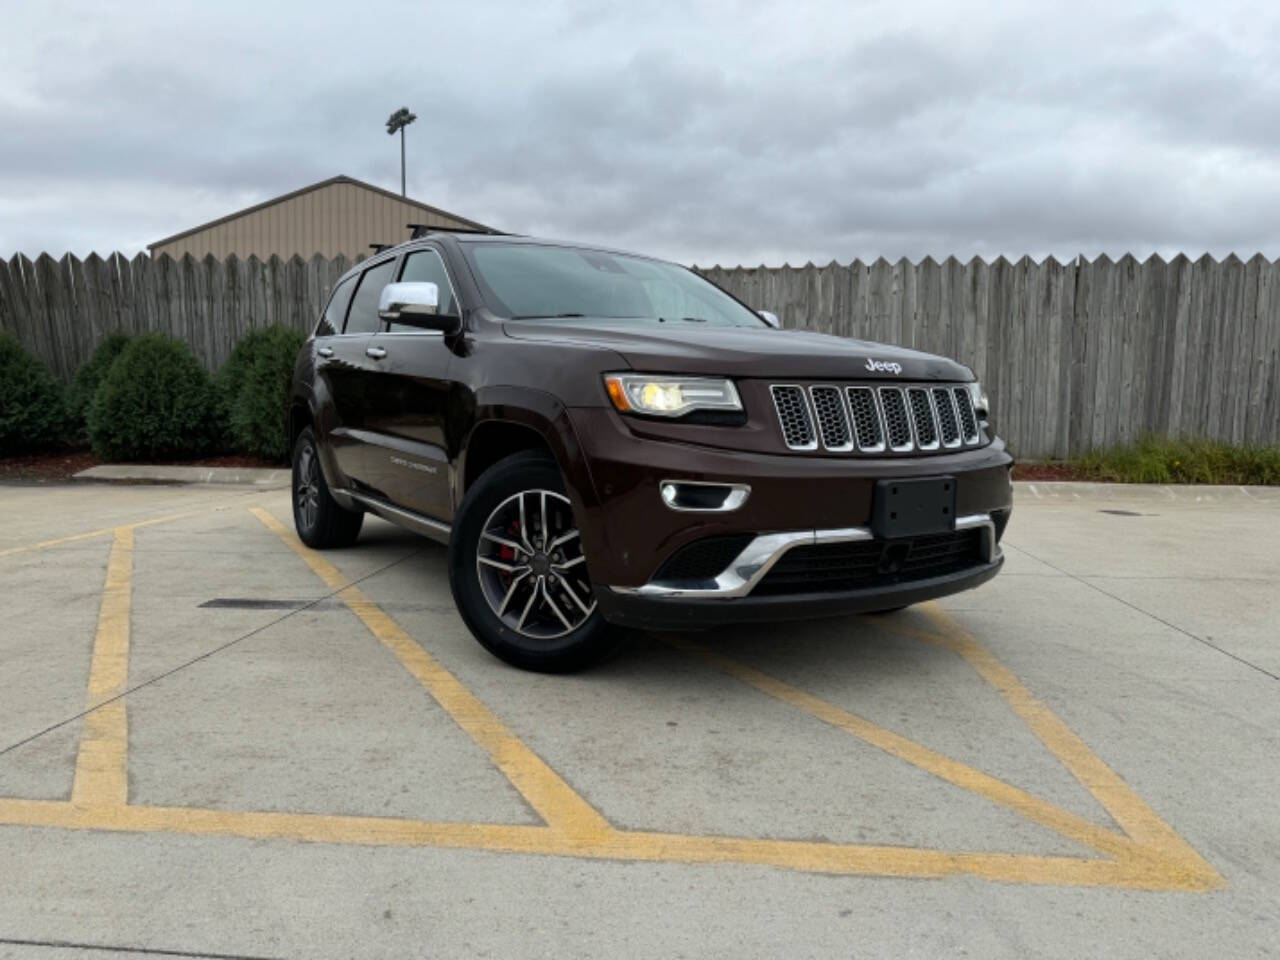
point(336, 311)
point(363, 317)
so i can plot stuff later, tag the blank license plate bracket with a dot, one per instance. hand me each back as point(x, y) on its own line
point(913, 508)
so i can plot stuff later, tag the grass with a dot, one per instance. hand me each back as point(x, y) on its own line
point(1173, 461)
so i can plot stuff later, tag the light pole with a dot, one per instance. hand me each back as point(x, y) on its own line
point(398, 121)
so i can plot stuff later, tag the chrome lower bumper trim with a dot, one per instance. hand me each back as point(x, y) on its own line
point(750, 566)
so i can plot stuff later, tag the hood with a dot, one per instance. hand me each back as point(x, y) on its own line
point(677, 347)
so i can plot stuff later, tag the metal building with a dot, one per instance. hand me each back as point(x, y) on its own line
point(340, 215)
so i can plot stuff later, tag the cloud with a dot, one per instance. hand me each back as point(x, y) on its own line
point(710, 132)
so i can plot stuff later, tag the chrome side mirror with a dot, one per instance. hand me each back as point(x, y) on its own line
point(416, 304)
point(770, 318)
point(400, 302)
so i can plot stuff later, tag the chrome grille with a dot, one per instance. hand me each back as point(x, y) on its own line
point(793, 415)
point(833, 422)
point(968, 419)
point(922, 419)
point(895, 419)
point(944, 407)
point(866, 419)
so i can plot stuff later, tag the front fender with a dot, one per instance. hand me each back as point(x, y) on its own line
point(543, 413)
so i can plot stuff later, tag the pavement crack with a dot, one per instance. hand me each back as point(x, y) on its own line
point(140, 951)
point(206, 655)
point(1147, 613)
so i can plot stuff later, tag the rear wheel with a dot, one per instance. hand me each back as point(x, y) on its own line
point(518, 573)
point(319, 519)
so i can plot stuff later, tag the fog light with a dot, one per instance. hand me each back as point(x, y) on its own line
point(697, 496)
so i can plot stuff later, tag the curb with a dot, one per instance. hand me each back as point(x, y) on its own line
point(1027, 491)
point(153, 473)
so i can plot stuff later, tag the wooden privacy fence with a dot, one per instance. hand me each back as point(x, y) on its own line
point(1075, 355)
point(61, 309)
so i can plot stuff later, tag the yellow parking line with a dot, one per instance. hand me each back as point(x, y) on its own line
point(619, 845)
point(884, 861)
point(1129, 810)
point(312, 827)
point(555, 801)
point(89, 535)
point(101, 777)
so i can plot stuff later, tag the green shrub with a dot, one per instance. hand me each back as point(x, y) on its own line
point(33, 406)
point(254, 385)
point(155, 402)
point(90, 375)
point(1156, 460)
point(229, 378)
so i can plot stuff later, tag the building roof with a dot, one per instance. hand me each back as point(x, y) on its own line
point(318, 186)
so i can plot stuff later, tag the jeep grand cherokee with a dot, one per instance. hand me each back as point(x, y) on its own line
point(607, 440)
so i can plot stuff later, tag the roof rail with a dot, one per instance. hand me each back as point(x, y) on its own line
point(377, 248)
point(421, 230)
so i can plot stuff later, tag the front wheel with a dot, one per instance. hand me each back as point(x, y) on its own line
point(518, 573)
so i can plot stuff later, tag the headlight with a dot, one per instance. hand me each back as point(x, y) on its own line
point(980, 404)
point(670, 396)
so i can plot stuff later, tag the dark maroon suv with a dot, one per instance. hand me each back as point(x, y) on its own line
point(606, 440)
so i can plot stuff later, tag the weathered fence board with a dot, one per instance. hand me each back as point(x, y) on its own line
point(1074, 355)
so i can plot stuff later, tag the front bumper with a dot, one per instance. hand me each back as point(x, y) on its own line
point(650, 612)
point(755, 561)
point(628, 531)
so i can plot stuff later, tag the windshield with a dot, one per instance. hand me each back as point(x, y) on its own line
point(526, 281)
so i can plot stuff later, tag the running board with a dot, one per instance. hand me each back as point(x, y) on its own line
point(401, 517)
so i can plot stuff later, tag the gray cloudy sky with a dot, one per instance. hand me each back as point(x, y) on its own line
point(711, 132)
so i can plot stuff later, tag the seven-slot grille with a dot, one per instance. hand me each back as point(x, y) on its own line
point(866, 419)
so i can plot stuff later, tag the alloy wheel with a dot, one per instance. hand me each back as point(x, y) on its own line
point(531, 568)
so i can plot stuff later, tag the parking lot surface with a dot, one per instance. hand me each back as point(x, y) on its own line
point(215, 742)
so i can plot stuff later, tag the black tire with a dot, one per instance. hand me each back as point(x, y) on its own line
point(511, 485)
point(320, 520)
point(886, 610)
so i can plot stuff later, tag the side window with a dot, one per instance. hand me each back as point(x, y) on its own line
point(426, 266)
point(331, 322)
point(363, 317)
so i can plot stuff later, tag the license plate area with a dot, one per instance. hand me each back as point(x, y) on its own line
point(913, 508)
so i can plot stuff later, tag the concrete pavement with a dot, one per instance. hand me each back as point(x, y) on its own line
point(295, 754)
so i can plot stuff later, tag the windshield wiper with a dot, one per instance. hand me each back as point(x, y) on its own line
point(547, 316)
point(686, 319)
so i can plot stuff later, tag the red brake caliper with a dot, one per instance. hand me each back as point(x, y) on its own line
point(507, 554)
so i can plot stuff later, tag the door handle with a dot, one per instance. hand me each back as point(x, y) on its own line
point(376, 352)
point(325, 352)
